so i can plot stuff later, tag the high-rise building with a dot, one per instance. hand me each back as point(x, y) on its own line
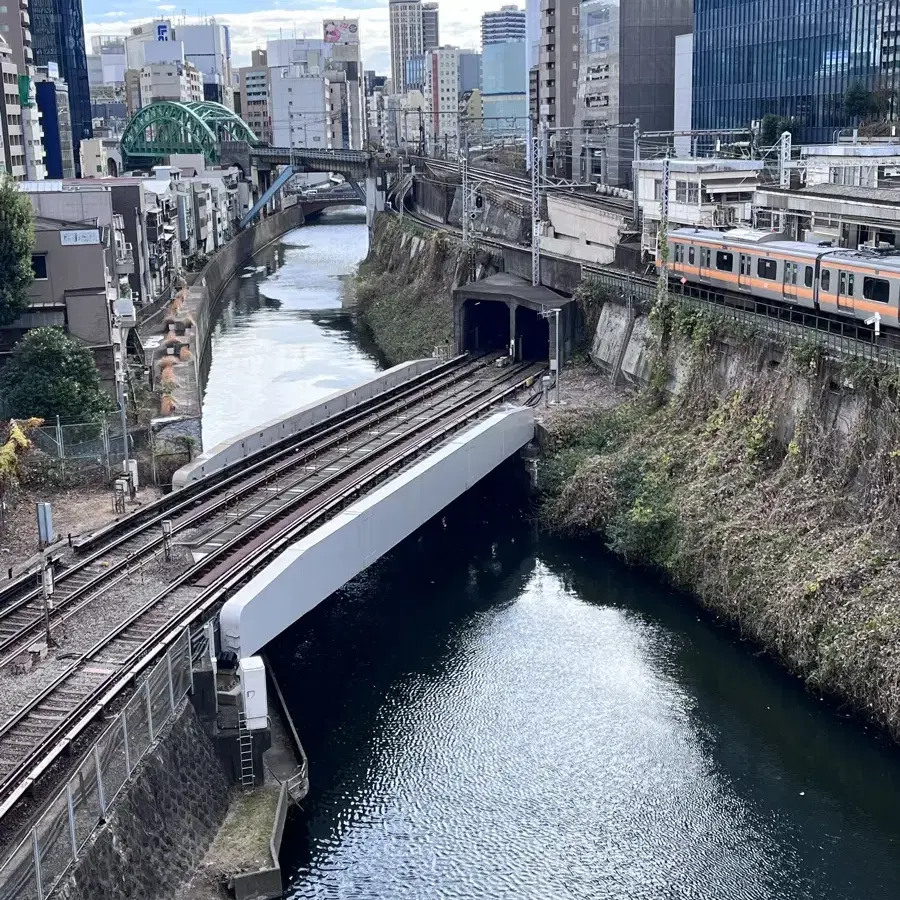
point(469, 71)
point(441, 100)
point(504, 92)
point(407, 38)
point(796, 60)
point(106, 61)
point(55, 106)
point(503, 25)
point(58, 37)
point(431, 31)
point(208, 47)
point(15, 24)
point(558, 61)
point(254, 92)
point(626, 72)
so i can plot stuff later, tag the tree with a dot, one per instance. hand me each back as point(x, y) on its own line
point(857, 101)
point(16, 244)
point(51, 374)
point(772, 127)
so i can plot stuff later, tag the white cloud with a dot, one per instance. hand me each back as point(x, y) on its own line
point(167, 6)
point(460, 25)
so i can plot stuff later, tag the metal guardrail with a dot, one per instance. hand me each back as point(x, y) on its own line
point(37, 865)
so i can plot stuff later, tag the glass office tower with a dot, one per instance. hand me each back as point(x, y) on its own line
point(57, 29)
point(792, 58)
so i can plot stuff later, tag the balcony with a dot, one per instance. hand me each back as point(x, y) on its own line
point(25, 18)
point(125, 259)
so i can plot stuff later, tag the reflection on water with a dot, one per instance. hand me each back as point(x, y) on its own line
point(493, 714)
point(284, 339)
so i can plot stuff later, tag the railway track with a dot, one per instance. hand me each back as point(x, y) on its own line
point(35, 736)
point(22, 617)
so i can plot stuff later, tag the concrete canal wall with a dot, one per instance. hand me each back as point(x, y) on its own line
point(161, 824)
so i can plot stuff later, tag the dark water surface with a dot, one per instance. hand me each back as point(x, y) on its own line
point(490, 713)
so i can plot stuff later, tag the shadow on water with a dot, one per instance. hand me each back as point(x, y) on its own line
point(490, 712)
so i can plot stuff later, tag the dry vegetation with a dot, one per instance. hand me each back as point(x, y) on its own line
point(769, 494)
point(404, 298)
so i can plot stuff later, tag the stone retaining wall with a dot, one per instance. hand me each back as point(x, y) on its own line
point(162, 823)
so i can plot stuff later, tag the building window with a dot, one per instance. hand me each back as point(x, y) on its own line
point(767, 268)
point(657, 189)
point(39, 266)
point(686, 192)
point(877, 289)
point(724, 261)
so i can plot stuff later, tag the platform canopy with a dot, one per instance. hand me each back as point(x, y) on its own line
point(166, 127)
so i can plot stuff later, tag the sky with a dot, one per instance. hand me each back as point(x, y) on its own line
point(252, 22)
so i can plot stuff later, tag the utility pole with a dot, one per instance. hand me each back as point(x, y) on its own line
point(535, 213)
point(466, 199)
point(121, 377)
point(636, 205)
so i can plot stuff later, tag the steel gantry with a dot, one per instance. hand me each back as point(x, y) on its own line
point(167, 127)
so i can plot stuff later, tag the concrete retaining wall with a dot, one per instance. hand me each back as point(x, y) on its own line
point(162, 823)
point(321, 563)
point(266, 882)
point(249, 442)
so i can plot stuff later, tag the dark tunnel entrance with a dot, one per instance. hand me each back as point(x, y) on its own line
point(485, 326)
point(532, 334)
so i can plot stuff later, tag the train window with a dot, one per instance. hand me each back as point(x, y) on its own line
point(826, 279)
point(691, 255)
point(790, 273)
point(808, 278)
point(679, 252)
point(877, 289)
point(704, 257)
point(846, 284)
point(724, 261)
point(767, 268)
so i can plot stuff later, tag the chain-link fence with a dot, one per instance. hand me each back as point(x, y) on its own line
point(36, 865)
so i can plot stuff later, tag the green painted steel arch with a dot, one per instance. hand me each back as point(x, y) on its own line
point(167, 127)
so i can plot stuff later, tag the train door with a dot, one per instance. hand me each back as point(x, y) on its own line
point(791, 271)
point(846, 291)
point(744, 272)
point(705, 255)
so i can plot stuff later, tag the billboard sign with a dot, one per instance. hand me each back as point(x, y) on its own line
point(162, 31)
point(341, 31)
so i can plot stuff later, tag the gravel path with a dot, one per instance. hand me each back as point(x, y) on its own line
point(583, 389)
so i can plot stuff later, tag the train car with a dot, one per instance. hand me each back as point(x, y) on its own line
point(856, 284)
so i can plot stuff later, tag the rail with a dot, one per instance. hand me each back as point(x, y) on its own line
point(36, 736)
point(42, 859)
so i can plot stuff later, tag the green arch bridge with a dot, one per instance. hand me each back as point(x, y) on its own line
point(167, 127)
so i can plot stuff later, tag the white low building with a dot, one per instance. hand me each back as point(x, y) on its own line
point(703, 193)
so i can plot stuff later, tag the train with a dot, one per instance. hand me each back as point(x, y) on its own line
point(767, 265)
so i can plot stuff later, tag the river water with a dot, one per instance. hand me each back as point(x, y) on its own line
point(493, 713)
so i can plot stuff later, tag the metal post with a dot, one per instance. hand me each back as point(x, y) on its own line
point(37, 864)
point(536, 214)
point(171, 686)
point(149, 709)
point(126, 468)
point(464, 166)
point(100, 792)
point(126, 746)
point(106, 445)
point(59, 439)
point(785, 160)
point(558, 361)
point(636, 206)
point(70, 806)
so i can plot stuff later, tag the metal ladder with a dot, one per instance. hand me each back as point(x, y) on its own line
point(245, 744)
